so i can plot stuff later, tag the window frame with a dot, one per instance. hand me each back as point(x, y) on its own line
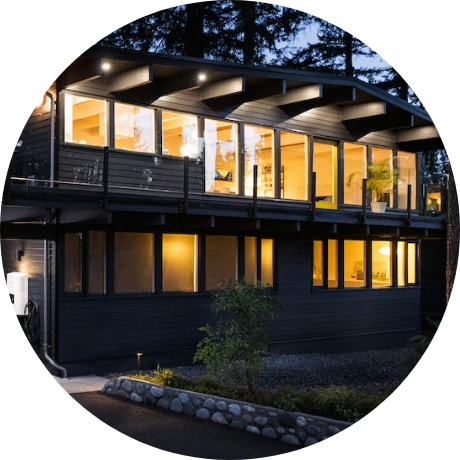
point(108, 119)
point(340, 263)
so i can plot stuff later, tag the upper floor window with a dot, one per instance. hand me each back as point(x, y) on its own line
point(325, 167)
point(180, 134)
point(354, 171)
point(85, 120)
point(407, 165)
point(294, 166)
point(221, 165)
point(259, 149)
point(134, 128)
point(383, 160)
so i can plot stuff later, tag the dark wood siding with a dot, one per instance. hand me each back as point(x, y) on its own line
point(31, 158)
point(167, 325)
point(32, 263)
point(128, 170)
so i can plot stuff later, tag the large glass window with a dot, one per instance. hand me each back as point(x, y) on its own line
point(134, 128)
point(325, 167)
point(180, 134)
point(73, 262)
point(294, 166)
point(133, 262)
point(381, 264)
point(411, 263)
point(401, 263)
point(96, 262)
point(258, 147)
point(221, 261)
point(354, 263)
point(407, 165)
point(382, 166)
point(180, 263)
point(354, 171)
point(85, 120)
point(221, 147)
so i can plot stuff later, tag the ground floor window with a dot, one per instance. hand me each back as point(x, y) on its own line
point(133, 262)
point(180, 263)
point(111, 263)
point(221, 261)
point(73, 262)
point(360, 263)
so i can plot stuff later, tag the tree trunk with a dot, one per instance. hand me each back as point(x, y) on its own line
point(452, 234)
point(194, 33)
point(348, 43)
point(248, 16)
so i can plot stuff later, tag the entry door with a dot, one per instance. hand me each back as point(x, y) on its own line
point(325, 166)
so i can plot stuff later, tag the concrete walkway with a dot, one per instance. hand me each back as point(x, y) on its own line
point(82, 384)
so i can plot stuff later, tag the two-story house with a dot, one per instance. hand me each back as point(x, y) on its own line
point(144, 183)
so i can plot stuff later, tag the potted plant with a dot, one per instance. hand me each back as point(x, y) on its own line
point(380, 182)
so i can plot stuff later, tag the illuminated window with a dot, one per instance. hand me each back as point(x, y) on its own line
point(317, 263)
point(73, 262)
point(221, 147)
point(382, 162)
point(221, 261)
point(381, 264)
point(266, 262)
point(134, 128)
point(133, 262)
point(354, 263)
point(180, 263)
point(332, 264)
point(258, 267)
point(407, 176)
point(294, 166)
point(407, 263)
point(258, 149)
point(85, 120)
point(180, 134)
point(354, 171)
point(96, 262)
point(325, 167)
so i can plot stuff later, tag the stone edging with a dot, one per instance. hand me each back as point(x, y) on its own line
point(291, 427)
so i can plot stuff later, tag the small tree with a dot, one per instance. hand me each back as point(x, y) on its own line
point(235, 346)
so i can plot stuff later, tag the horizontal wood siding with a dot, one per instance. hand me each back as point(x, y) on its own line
point(31, 158)
point(433, 282)
point(129, 170)
point(32, 264)
point(309, 321)
point(319, 319)
point(121, 327)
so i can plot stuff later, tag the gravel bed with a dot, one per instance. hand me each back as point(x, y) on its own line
point(370, 372)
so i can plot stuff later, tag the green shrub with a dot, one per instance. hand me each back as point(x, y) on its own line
point(234, 347)
point(287, 398)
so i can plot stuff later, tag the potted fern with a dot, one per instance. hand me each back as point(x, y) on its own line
point(381, 181)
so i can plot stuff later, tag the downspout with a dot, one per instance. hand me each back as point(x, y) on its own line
point(45, 310)
point(46, 248)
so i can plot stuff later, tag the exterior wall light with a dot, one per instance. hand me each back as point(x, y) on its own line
point(202, 77)
point(106, 66)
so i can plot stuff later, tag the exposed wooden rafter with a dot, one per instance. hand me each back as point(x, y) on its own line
point(254, 89)
point(318, 96)
point(132, 78)
point(223, 88)
point(81, 72)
